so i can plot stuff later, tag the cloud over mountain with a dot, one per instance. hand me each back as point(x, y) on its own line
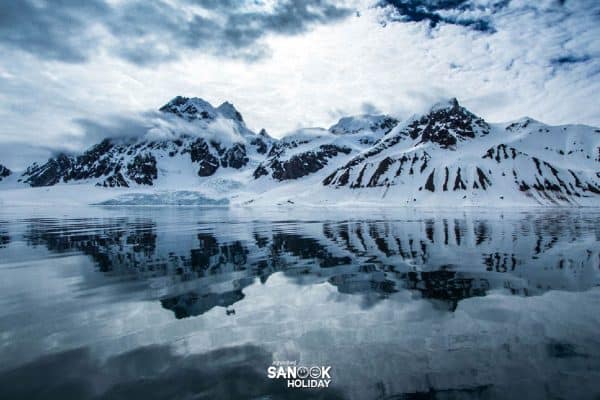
point(143, 32)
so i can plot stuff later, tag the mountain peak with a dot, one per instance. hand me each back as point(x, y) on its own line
point(263, 132)
point(355, 124)
point(451, 103)
point(228, 110)
point(196, 108)
point(175, 101)
point(447, 123)
point(190, 108)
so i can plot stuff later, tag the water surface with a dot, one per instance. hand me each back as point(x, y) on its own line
point(197, 303)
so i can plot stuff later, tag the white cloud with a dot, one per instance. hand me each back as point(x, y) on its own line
point(542, 61)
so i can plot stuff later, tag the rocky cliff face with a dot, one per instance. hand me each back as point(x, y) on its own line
point(300, 164)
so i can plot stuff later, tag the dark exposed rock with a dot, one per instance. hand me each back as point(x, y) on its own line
point(501, 152)
point(592, 188)
point(260, 144)
point(382, 168)
point(458, 182)
point(190, 108)
point(400, 169)
point(302, 164)
point(275, 150)
point(94, 163)
point(484, 181)
point(263, 133)
point(279, 148)
point(115, 180)
point(344, 177)
point(4, 172)
point(119, 163)
point(537, 165)
point(100, 160)
point(217, 146)
point(429, 184)
point(406, 163)
point(330, 178)
point(50, 173)
point(200, 153)
point(446, 125)
point(172, 106)
point(522, 124)
point(358, 182)
point(142, 170)
point(549, 182)
point(194, 108)
point(235, 157)
point(260, 171)
point(445, 186)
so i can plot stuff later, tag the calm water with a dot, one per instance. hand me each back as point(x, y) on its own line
point(197, 303)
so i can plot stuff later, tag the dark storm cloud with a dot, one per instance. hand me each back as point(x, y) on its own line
point(569, 59)
point(56, 30)
point(468, 13)
point(155, 29)
point(144, 32)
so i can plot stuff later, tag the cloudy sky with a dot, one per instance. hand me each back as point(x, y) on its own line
point(72, 70)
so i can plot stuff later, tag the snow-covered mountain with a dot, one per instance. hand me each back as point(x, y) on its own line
point(307, 151)
point(190, 139)
point(451, 156)
point(447, 156)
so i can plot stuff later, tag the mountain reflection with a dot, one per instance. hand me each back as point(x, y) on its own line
point(202, 266)
point(4, 239)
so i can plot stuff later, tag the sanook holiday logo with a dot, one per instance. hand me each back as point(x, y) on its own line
point(300, 376)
